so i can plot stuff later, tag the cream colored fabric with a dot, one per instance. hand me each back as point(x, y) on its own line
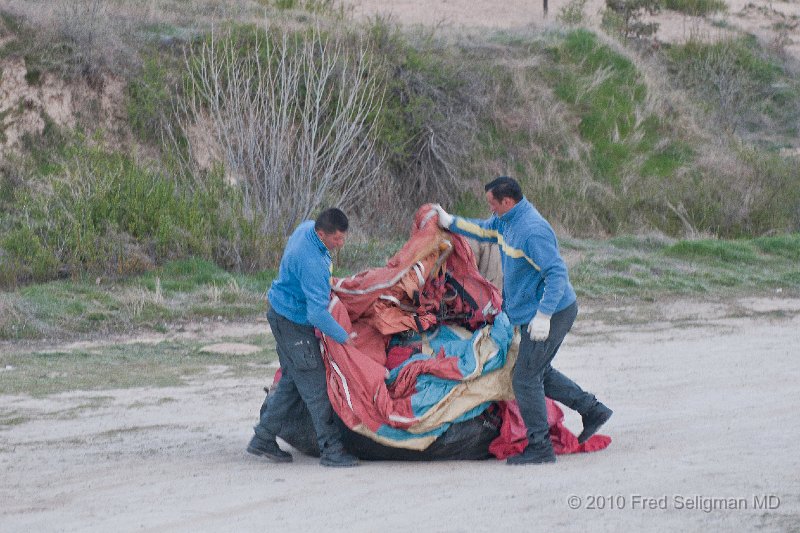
point(487, 257)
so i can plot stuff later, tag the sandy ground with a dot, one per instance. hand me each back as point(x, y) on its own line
point(705, 397)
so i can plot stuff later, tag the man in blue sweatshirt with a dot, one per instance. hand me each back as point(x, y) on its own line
point(299, 299)
point(537, 294)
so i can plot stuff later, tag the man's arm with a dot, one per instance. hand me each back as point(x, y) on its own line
point(542, 246)
point(315, 282)
point(480, 230)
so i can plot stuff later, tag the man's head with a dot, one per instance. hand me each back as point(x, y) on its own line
point(331, 227)
point(502, 194)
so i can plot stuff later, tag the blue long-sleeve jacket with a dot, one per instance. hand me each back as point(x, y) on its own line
point(534, 274)
point(302, 290)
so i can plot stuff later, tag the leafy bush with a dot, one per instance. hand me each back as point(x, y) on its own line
point(103, 213)
point(23, 257)
point(149, 99)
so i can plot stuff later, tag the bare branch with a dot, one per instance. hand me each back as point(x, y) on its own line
point(291, 119)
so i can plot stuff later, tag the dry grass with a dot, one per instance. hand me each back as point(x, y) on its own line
point(135, 299)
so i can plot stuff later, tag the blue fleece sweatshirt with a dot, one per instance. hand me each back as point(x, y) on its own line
point(534, 274)
point(302, 290)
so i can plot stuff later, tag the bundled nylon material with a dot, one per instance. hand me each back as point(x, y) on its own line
point(457, 362)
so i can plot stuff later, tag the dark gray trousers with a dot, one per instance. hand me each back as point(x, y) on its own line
point(302, 380)
point(534, 377)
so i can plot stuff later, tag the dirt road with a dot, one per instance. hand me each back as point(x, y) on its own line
point(706, 396)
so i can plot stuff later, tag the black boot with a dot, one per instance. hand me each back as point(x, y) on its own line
point(336, 456)
point(593, 419)
point(538, 453)
point(268, 448)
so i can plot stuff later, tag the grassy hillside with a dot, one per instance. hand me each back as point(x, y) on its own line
point(199, 132)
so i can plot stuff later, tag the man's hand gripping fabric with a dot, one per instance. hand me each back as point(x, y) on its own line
point(445, 218)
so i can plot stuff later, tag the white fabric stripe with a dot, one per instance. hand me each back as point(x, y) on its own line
point(398, 418)
point(334, 301)
point(418, 268)
point(426, 218)
point(397, 302)
point(375, 287)
point(335, 367)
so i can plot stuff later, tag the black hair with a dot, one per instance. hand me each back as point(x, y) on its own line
point(331, 220)
point(504, 187)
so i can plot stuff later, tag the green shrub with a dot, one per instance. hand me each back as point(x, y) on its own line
point(149, 101)
point(697, 8)
point(24, 258)
point(104, 213)
point(606, 89)
point(774, 203)
point(10, 23)
point(33, 76)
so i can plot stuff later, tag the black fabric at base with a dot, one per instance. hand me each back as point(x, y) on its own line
point(468, 440)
